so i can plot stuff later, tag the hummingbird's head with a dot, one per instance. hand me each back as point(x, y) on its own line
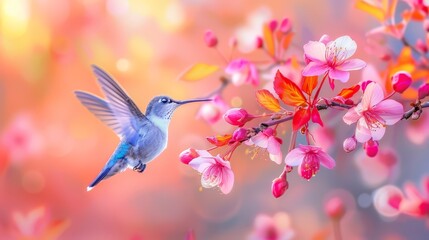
point(164, 106)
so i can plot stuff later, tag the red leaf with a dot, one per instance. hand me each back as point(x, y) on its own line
point(288, 91)
point(301, 117)
point(219, 140)
point(267, 100)
point(349, 92)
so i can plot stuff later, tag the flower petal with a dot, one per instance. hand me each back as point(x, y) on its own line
point(340, 75)
point(372, 96)
point(273, 146)
point(227, 180)
point(351, 116)
point(346, 43)
point(352, 64)
point(362, 133)
point(326, 160)
point(201, 163)
point(276, 158)
point(315, 51)
point(295, 157)
point(378, 133)
point(390, 110)
point(260, 140)
point(315, 69)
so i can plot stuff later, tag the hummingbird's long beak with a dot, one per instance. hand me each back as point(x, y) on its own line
point(193, 100)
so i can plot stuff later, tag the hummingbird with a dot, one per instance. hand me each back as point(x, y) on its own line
point(142, 136)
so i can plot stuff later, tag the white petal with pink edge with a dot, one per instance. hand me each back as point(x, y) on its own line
point(351, 116)
point(362, 133)
point(295, 157)
point(315, 51)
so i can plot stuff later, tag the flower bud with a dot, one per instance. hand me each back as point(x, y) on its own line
point(188, 155)
point(371, 148)
point(349, 144)
point(423, 90)
point(237, 116)
point(240, 134)
point(279, 186)
point(325, 39)
point(401, 81)
point(335, 208)
point(285, 25)
point(394, 200)
point(210, 38)
point(273, 25)
point(259, 42)
point(210, 113)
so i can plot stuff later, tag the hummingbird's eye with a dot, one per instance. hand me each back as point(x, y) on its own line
point(165, 100)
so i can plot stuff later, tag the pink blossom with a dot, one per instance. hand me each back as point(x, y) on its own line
point(332, 57)
point(212, 112)
point(214, 170)
point(21, 138)
point(412, 202)
point(308, 159)
point(335, 208)
point(272, 228)
point(373, 113)
point(242, 71)
point(267, 139)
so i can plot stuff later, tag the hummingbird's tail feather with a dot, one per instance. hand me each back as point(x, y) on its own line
point(117, 163)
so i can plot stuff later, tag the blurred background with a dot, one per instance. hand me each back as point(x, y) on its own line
point(51, 147)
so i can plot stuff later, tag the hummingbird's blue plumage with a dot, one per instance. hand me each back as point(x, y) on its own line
point(143, 136)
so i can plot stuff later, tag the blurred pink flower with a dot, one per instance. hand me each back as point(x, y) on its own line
point(308, 159)
point(267, 139)
point(21, 138)
point(412, 202)
point(335, 208)
point(214, 170)
point(37, 224)
point(212, 112)
point(243, 71)
point(373, 113)
point(272, 228)
point(332, 57)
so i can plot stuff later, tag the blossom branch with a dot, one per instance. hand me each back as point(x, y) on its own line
point(415, 112)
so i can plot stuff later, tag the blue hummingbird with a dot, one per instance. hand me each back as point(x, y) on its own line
point(142, 136)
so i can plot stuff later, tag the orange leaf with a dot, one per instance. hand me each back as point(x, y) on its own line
point(268, 39)
point(198, 72)
point(349, 92)
point(371, 9)
point(288, 91)
point(287, 40)
point(267, 100)
point(220, 140)
point(301, 117)
point(309, 84)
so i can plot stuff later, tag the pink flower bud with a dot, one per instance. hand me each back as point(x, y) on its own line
point(240, 134)
point(259, 42)
point(273, 25)
point(285, 25)
point(371, 148)
point(237, 116)
point(401, 81)
point(423, 90)
point(335, 208)
point(210, 38)
point(188, 155)
point(395, 200)
point(349, 145)
point(420, 45)
point(325, 39)
point(279, 186)
point(210, 113)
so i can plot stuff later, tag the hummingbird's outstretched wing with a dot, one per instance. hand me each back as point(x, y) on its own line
point(118, 110)
point(100, 108)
